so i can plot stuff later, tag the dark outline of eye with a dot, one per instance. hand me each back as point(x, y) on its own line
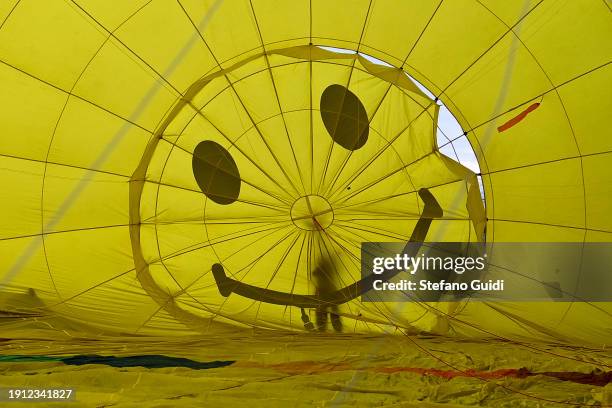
point(216, 172)
point(344, 117)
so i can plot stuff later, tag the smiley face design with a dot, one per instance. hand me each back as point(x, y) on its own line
point(269, 173)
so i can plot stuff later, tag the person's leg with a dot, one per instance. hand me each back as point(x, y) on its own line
point(321, 315)
point(336, 321)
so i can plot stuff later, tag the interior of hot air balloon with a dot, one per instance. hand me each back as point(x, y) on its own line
point(188, 186)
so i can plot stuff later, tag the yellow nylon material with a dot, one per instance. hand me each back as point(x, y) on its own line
point(104, 225)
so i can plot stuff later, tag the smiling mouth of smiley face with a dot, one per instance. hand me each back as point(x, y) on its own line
point(287, 190)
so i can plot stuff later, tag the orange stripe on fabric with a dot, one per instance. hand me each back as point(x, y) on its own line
point(518, 117)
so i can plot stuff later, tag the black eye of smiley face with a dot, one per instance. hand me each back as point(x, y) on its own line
point(216, 172)
point(344, 117)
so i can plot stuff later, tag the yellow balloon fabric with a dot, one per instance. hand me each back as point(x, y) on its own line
point(142, 142)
